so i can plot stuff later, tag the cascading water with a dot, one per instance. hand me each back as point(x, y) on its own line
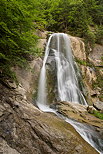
point(67, 83)
point(42, 92)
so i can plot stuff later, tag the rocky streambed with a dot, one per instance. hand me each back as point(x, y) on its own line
point(85, 123)
point(27, 130)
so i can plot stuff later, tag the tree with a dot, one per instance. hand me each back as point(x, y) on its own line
point(16, 32)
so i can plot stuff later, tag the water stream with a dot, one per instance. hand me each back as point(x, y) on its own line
point(68, 88)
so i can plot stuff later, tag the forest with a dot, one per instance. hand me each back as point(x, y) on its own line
point(19, 21)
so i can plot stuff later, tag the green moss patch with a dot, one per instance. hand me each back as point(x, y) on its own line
point(98, 114)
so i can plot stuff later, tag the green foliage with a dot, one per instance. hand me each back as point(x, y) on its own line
point(102, 61)
point(16, 32)
point(81, 62)
point(69, 16)
point(102, 58)
point(99, 34)
point(90, 37)
point(5, 73)
point(98, 114)
point(19, 20)
point(98, 83)
point(74, 17)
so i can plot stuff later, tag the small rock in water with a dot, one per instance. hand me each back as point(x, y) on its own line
point(90, 109)
point(53, 105)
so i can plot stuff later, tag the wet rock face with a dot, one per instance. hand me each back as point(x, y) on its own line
point(27, 130)
point(51, 78)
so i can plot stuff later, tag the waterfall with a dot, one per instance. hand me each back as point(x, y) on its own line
point(42, 92)
point(67, 85)
point(67, 82)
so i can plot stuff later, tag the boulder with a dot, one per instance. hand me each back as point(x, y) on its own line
point(96, 54)
point(90, 74)
point(41, 44)
point(79, 113)
point(98, 106)
point(91, 109)
point(42, 34)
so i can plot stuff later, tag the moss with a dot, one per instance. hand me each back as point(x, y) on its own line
point(81, 62)
point(102, 61)
point(98, 114)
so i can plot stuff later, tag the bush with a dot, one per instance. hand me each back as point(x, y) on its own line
point(99, 35)
point(90, 37)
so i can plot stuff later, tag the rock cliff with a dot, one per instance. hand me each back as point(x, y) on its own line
point(91, 68)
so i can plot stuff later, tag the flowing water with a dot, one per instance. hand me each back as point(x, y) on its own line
point(67, 82)
point(89, 134)
point(68, 88)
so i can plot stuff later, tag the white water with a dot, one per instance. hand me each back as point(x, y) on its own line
point(67, 84)
point(89, 134)
point(42, 91)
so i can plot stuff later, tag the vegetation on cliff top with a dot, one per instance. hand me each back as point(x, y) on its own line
point(20, 19)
